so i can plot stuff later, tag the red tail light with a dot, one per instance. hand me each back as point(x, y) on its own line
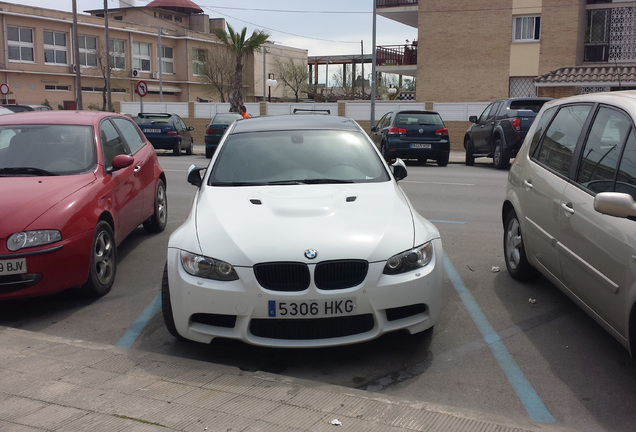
point(441, 131)
point(397, 131)
point(172, 133)
point(209, 130)
point(516, 123)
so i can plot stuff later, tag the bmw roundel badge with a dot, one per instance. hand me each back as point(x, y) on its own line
point(311, 253)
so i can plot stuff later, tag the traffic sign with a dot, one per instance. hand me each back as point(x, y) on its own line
point(141, 88)
point(4, 89)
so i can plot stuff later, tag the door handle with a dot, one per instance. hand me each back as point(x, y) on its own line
point(567, 207)
point(528, 184)
point(137, 169)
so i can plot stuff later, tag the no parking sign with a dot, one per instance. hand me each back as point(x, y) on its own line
point(4, 89)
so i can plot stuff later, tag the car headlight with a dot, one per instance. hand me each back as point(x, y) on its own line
point(410, 260)
point(209, 268)
point(26, 239)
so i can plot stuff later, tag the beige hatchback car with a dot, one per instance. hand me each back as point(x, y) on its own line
point(569, 211)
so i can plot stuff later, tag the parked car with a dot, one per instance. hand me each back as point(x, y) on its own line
point(41, 108)
point(419, 135)
point(500, 130)
point(216, 129)
point(300, 236)
point(73, 187)
point(4, 110)
point(569, 211)
point(18, 108)
point(166, 132)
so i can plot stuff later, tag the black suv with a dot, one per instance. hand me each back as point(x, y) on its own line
point(500, 129)
point(419, 135)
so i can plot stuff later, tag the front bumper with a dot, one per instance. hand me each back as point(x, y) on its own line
point(205, 309)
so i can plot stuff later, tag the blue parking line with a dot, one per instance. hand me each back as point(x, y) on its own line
point(129, 338)
point(525, 392)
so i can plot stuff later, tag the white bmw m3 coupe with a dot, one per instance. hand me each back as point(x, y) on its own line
point(300, 236)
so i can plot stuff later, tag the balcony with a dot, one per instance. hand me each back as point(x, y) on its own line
point(398, 59)
point(402, 11)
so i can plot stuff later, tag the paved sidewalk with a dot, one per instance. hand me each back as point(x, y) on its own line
point(48, 383)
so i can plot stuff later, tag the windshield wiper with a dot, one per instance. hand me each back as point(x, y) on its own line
point(325, 181)
point(218, 183)
point(26, 170)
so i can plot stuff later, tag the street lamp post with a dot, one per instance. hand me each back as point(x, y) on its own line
point(270, 82)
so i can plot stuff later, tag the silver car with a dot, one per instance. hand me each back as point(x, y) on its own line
point(569, 211)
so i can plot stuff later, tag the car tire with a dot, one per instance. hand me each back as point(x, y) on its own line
point(103, 263)
point(470, 158)
point(190, 148)
point(500, 158)
point(159, 219)
point(385, 154)
point(177, 149)
point(443, 160)
point(166, 305)
point(514, 251)
point(208, 153)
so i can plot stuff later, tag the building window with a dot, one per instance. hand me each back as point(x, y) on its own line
point(20, 41)
point(141, 56)
point(117, 51)
point(198, 61)
point(526, 29)
point(522, 87)
point(55, 47)
point(167, 60)
point(87, 50)
point(56, 87)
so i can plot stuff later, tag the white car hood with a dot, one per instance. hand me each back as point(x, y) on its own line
point(248, 225)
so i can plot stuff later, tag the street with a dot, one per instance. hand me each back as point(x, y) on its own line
point(514, 350)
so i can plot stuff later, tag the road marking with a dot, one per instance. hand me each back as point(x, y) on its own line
point(525, 392)
point(129, 338)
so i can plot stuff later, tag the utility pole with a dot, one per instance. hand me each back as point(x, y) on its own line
point(78, 79)
point(109, 102)
point(373, 78)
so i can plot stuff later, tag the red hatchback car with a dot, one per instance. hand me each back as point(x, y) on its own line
point(73, 185)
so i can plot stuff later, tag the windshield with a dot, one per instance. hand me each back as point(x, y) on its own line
point(294, 157)
point(46, 150)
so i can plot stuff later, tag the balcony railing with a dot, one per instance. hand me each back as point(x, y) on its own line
point(396, 55)
point(395, 3)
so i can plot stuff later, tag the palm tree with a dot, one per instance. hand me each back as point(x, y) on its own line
point(240, 47)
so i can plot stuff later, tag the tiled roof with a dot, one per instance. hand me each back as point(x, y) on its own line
point(588, 75)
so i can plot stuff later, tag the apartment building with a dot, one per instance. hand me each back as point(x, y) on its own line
point(164, 44)
point(481, 50)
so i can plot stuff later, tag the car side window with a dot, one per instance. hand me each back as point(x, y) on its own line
point(541, 125)
point(602, 150)
point(384, 121)
point(131, 134)
point(112, 143)
point(626, 178)
point(485, 113)
point(561, 137)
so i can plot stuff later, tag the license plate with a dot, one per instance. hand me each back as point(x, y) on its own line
point(152, 130)
point(311, 308)
point(423, 146)
point(14, 266)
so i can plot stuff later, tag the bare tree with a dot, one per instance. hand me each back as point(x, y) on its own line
point(218, 70)
point(293, 74)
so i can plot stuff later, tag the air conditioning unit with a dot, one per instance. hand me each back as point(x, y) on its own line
point(154, 75)
point(134, 73)
point(73, 68)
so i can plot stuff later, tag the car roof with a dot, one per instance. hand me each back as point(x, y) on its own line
point(57, 117)
point(625, 99)
point(18, 108)
point(295, 122)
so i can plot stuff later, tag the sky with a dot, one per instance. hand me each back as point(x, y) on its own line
point(324, 27)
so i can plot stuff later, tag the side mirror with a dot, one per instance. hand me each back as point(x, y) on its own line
point(615, 204)
point(473, 119)
point(399, 169)
point(374, 129)
point(194, 175)
point(190, 128)
point(122, 161)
